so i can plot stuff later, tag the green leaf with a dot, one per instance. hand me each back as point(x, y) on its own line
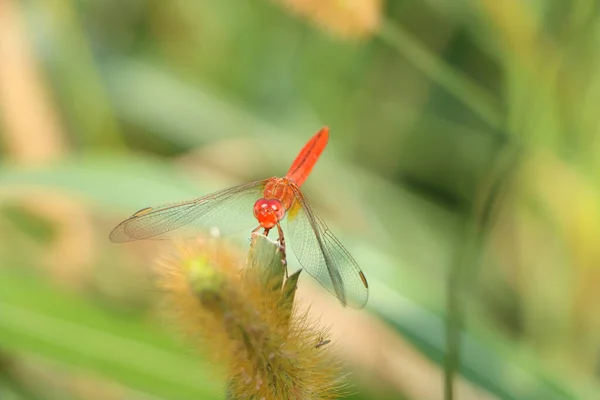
point(492, 365)
point(79, 334)
point(107, 179)
point(267, 260)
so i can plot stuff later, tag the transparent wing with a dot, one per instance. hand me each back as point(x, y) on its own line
point(227, 211)
point(322, 255)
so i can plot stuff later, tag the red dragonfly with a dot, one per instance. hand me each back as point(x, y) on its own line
point(319, 252)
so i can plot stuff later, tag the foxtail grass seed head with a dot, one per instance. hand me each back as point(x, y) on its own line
point(242, 316)
point(348, 19)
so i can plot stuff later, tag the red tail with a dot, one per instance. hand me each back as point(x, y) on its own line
point(308, 156)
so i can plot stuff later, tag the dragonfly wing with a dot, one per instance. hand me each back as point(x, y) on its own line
point(223, 212)
point(323, 256)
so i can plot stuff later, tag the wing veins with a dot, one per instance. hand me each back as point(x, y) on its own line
point(324, 236)
point(133, 228)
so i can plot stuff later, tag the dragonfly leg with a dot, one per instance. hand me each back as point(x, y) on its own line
point(282, 248)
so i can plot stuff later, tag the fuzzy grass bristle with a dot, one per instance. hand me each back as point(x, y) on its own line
point(242, 316)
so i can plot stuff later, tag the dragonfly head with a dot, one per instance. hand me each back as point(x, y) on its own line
point(268, 212)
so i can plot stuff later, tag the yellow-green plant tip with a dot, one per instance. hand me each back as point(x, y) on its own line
point(267, 260)
point(192, 265)
point(202, 276)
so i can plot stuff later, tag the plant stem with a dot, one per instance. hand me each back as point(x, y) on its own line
point(467, 260)
point(467, 257)
point(458, 84)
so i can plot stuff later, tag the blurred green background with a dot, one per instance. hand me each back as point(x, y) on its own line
point(462, 173)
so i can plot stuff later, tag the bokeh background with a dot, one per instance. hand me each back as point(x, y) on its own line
point(462, 173)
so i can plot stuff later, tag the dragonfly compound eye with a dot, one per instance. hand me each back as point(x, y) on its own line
point(268, 212)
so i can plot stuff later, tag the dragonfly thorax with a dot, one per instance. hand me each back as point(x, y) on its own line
point(280, 189)
point(268, 212)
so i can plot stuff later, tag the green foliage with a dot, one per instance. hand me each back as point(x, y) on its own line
point(455, 113)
